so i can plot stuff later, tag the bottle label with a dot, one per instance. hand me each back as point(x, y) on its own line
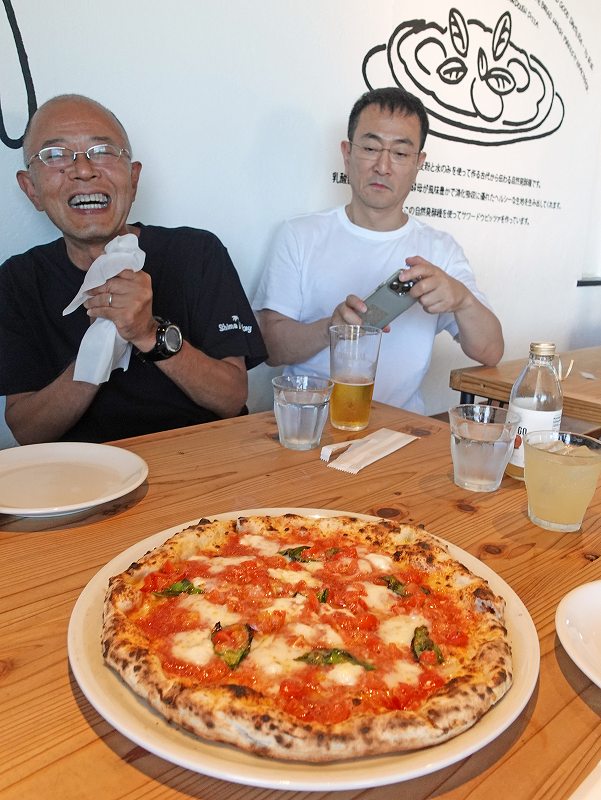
point(531, 421)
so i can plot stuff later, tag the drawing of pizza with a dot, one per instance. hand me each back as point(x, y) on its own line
point(476, 84)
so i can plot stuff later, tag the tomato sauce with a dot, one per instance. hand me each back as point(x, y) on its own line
point(340, 601)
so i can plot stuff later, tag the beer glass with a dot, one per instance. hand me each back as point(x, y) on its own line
point(354, 351)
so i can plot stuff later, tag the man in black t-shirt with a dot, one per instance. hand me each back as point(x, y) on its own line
point(185, 313)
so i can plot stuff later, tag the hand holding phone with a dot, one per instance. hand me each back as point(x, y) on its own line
point(389, 300)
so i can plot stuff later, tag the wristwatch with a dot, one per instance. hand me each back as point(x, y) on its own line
point(168, 342)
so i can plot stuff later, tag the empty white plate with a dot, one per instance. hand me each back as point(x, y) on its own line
point(64, 477)
point(578, 625)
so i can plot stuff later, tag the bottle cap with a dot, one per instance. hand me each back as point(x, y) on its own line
point(542, 348)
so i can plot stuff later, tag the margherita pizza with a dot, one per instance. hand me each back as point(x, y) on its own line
point(310, 639)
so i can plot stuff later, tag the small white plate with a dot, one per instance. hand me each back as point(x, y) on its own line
point(42, 480)
point(578, 625)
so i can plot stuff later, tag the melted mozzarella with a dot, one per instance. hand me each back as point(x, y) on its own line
point(261, 545)
point(460, 580)
point(274, 657)
point(344, 674)
point(291, 605)
point(380, 562)
point(400, 630)
point(219, 563)
point(307, 632)
point(403, 672)
point(195, 647)
point(209, 613)
point(293, 576)
point(313, 566)
point(379, 597)
point(325, 635)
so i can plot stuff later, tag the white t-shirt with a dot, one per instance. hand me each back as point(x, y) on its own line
point(316, 260)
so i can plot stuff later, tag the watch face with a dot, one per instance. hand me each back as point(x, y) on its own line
point(173, 338)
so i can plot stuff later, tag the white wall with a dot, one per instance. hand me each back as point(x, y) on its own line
point(237, 109)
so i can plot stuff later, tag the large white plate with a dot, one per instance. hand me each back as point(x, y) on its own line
point(579, 630)
point(63, 477)
point(133, 718)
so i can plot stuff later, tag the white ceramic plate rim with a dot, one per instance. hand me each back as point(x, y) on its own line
point(576, 617)
point(129, 468)
point(130, 715)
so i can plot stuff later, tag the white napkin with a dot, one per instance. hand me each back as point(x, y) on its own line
point(102, 349)
point(365, 451)
point(590, 788)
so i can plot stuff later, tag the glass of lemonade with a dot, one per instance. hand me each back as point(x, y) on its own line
point(482, 439)
point(354, 351)
point(561, 471)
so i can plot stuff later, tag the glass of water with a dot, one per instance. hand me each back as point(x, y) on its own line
point(482, 439)
point(300, 404)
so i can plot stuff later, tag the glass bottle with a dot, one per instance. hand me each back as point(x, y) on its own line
point(537, 399)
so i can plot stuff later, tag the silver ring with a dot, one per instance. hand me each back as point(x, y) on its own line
point(110, 299)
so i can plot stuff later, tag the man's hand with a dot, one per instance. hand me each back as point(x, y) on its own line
point(348, 312)
point(290, 342)
point(126, 299)
point(480, 334)
point(435, 290)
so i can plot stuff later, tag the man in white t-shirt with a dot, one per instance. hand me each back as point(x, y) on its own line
point(316, 259)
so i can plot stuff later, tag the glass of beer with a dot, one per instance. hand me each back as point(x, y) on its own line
point(561, 471)
point(354, 351)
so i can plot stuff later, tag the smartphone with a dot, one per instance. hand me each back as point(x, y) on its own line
point(389, 300)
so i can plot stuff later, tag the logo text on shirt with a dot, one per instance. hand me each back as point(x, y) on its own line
point(235, 324)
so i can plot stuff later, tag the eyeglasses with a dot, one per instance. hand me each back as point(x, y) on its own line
point(61, 157)
point(398, 155)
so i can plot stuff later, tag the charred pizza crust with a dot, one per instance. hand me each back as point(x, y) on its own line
point(479, 674)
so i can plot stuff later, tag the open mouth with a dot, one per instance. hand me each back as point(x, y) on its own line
point(97, 200)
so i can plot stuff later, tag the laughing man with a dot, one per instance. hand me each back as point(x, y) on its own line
point(189, 361)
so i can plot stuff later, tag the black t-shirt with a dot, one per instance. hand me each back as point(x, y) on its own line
point(194, 284)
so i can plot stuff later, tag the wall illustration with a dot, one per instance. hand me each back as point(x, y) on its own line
point(271, 112)
point(5, 138)
point(478, 85)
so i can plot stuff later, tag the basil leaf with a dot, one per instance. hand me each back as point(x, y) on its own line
point(394, 585)
point(322, 596)
point(296, 553)
point(421, 642)
point(322, 657)
point(180, 587)
point(232, 642)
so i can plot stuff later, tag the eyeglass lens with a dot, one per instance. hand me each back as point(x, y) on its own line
point(64, 156)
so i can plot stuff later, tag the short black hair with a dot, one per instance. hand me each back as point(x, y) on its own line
point(393, 99)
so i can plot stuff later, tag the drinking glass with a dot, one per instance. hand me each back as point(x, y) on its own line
point(300, 404)
point(561, 471)
point(482, 439)
point(354, 351)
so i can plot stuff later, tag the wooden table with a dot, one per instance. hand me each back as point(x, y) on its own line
point(581, 395)
point(55, 746)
